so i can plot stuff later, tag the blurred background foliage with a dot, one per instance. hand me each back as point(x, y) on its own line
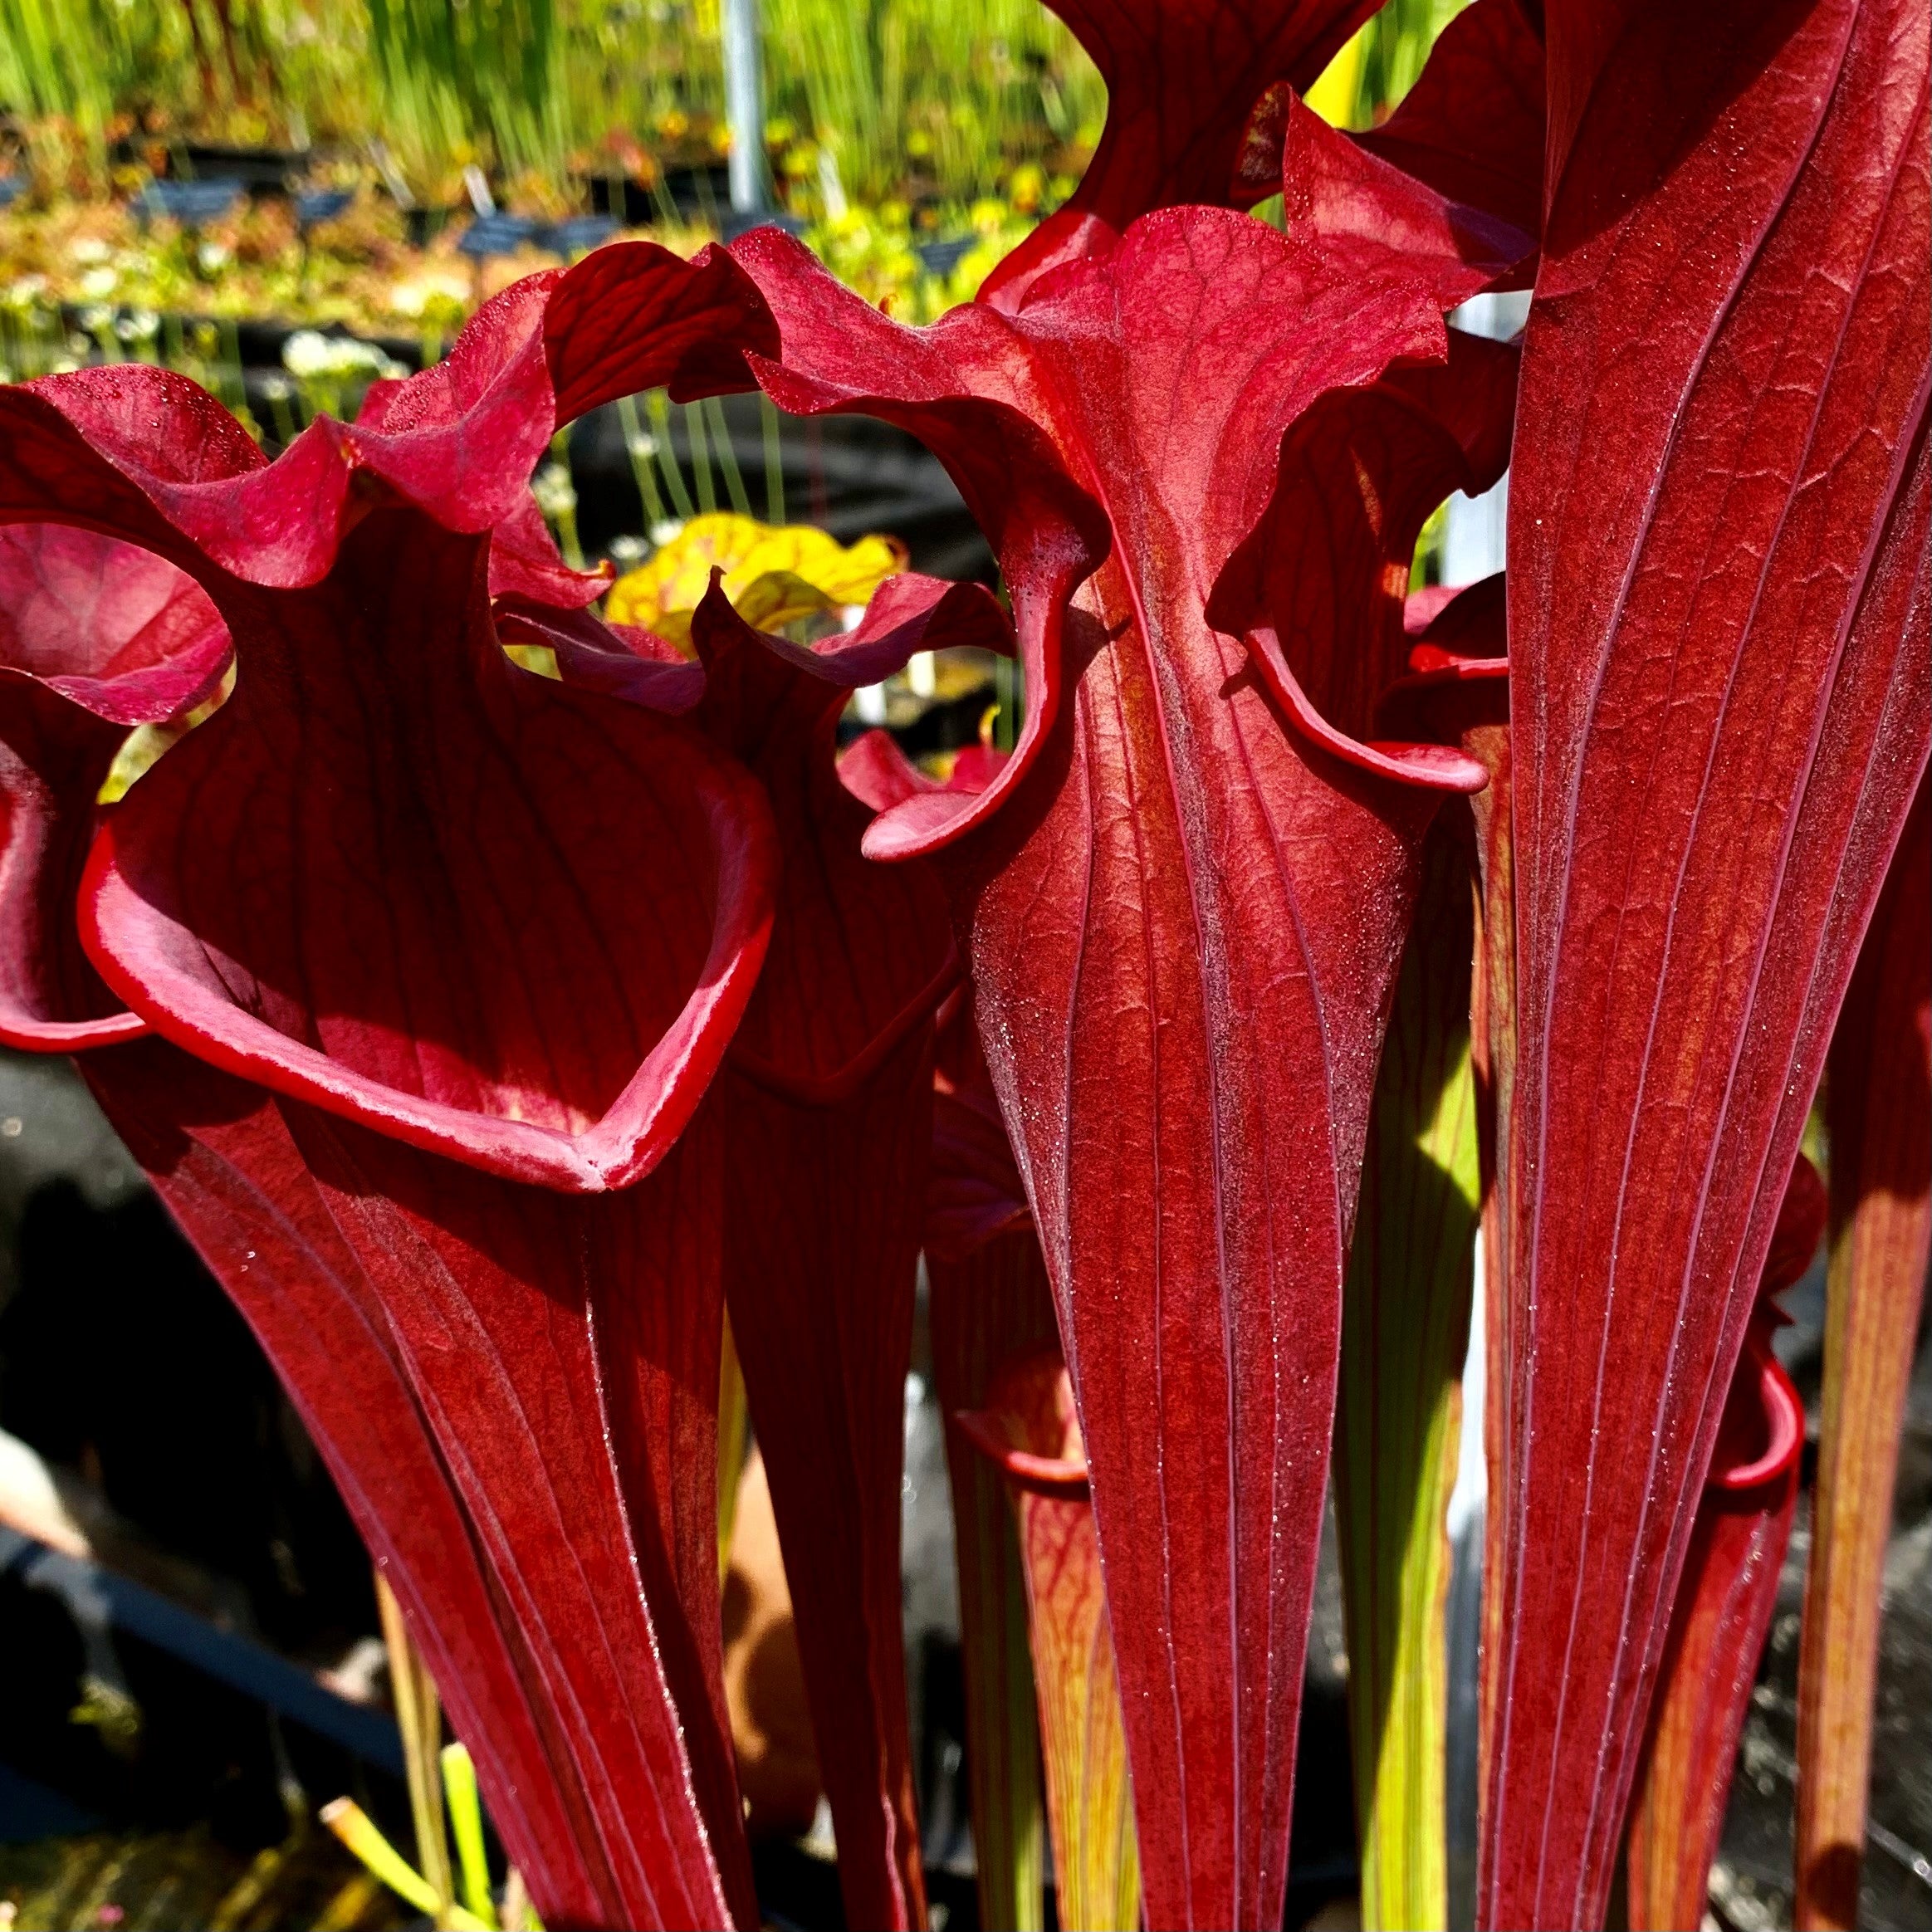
point(933, 95)
point(869, 100)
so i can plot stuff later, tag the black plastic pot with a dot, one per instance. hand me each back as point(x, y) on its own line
point(631, 202)
point(497, 234)
point(193, 203)
point(942, 257)
point(322, 204)
point(422, 225)
point(850, 475)
point(261, 171)
point(700, 192)
point(257, 345)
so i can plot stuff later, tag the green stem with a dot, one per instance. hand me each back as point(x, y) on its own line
point(658, 404)
point(1404, 1330)
point(774, 461)
point(637, 446)
point(232, 387)
point(465, 1823)
point(1006, 694)
point(989, 1305)
point(721, 436)
point(567, 540)
point(419, 1718)
point(708, 495)
point(734, 1444)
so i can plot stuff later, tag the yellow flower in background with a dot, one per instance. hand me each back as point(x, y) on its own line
point(774, 574)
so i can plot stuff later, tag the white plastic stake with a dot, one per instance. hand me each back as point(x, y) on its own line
point(745, 108)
